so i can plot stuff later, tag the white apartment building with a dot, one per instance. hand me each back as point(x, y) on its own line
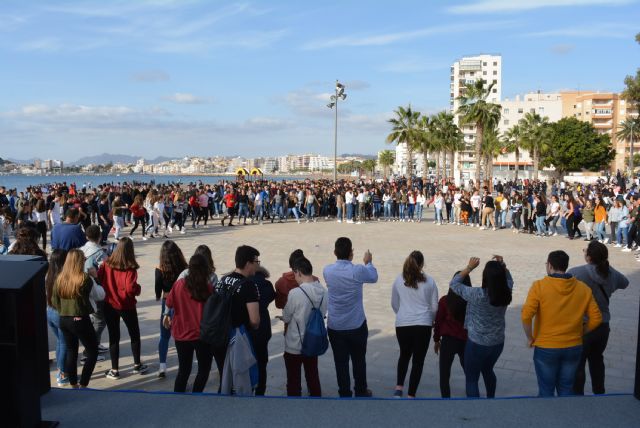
point(400, 165)
point(270, 164)
point(468, 70)
point(546, 105)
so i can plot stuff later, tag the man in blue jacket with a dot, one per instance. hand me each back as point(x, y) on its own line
point(69, 234)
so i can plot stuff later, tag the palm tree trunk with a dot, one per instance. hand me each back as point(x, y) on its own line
point(438, 165)
point(517, 161)
point(451, 160)
point(425, 165)
point(444, 164)
point(478, 154)
point(536, 161)
point(409, 162)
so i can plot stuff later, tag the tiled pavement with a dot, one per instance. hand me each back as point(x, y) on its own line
point(446, 249)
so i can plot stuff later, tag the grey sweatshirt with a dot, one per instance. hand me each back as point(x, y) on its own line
point(614, 281)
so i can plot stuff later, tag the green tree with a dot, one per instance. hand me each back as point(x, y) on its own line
point(386, 159)
point(450, 137)
point(427, 141)
point(492, 147)
point(535, 133)
point(632, 91)
point(575, 145)
point(512, 141)
point(369, 165)
point(475, 109)
point(629, 130)
point(404, 130)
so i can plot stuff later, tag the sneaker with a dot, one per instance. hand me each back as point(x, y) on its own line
point(170, 229)
point(397, 393)
point(162, 374)
point(222, 222)
point(144, 238)
point(62, 381)
point(618, 246)
point(140, 369)
point(112, 374)
point(102, 349)
point(626, 250)
point(100, 357)
point(555, 234)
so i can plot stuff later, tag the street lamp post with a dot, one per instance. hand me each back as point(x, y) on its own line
point(631, 151)
point(334, 103)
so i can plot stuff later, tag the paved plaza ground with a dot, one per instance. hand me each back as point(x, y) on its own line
point(446, 249)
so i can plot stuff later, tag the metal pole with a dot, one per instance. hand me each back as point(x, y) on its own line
point(335, 141)
point(631, 151)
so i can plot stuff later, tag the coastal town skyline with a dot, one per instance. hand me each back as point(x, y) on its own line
point(169, 78)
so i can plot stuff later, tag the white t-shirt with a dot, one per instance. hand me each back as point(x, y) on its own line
point(414, 306)
point(348, 198)
point(555, 208)
point(475, 201)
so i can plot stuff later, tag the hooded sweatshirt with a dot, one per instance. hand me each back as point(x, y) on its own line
point(284, 285)
point(559, 306)
point(614, 281)
point(297, 311)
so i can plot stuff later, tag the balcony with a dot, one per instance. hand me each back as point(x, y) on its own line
point(603, 124)
point(602, 113)
point(471, 65)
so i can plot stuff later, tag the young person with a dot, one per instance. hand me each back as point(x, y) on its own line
point(559, 304)
point(484, 321)
point(309, 294)
point(449, 334)
point(172, 263)
point(71, 297)
point(187, 298)
point(56, 262)
point(261, 337)
point(347, 324)
point(119, 277)
point(603, 280)
point(414, 299)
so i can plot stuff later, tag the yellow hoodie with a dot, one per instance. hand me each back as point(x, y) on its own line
point(559, 306)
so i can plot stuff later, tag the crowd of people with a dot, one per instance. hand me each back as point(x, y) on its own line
point(91, 286)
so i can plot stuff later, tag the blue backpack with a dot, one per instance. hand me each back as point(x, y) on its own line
point(315, 341)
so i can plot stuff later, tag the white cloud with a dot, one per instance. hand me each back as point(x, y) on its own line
point(186, 98)
point(389, 38)
point(562, 49)
point(413, 65)
point(598, 30)
point(497, 6)
point(147, 76)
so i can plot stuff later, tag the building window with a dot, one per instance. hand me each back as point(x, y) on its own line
point(495, 63)
point(495, 72)
point(506, 111)
point(484, 63)
point(506, 121)
point(520, 110)
point(494, 100)
point(532, 110)
point(541, 110)
point(495, 81)
point(484, 73)
point(494, 90)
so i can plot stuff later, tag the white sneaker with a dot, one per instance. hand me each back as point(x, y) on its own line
point(144, 238)
point(618, 246)
point(626, 250)
point(555, 234)
point(606, 241)
point(494, 229)
point(483, 228)
point(170, 229)
point(183, 232)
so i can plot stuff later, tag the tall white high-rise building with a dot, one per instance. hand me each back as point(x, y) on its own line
point(468, 70)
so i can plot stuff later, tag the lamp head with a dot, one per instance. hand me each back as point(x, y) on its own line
point(330, 105)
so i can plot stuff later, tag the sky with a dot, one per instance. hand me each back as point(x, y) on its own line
point(204, 78)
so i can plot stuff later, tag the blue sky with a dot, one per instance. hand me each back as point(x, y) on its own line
point(188, 77)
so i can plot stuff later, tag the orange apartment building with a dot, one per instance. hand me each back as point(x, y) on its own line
point(605, 110)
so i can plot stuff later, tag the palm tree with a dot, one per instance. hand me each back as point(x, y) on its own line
point(629, 130)
point(475, 109)
point(492, 147)
point(404, 131)
point(535, 131)
point(369, 165)
point(428, 141)
point(512, 140)
point(450, 137)
point(386, 158)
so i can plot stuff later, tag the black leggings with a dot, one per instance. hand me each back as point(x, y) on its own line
point(130, 317)
point(41, 227)
point(204, 354)
point(449, 348)
point(79, 329)
point(414, 342)
point(139, 221)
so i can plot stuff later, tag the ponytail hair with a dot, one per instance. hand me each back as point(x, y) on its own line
point(412, 269)
point(494, 280)
point(599, 255)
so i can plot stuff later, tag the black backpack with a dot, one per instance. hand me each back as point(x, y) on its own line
point(215, 324)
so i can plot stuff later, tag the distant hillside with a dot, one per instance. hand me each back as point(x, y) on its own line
point(105, 158)
point(4, 162)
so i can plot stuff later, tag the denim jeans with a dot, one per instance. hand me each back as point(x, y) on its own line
point(376, 210)
point(279, 211)
point(293, 211)
point(259, 212)
point(556, 369)
point(339, 212)
point(540, 226)
point(410, 211)
point(311, 211)
point(350, 345)
point(349, 212)
point(402, 208)
point(243, 211)
point(601, 233)
point(553, 224)
point(497, 218)
point(387, 211)
point(438, 215)
point(53, 319)
point(419, 208)
point(165, 335)
point(503, 217)
point(622, 233)
point(481, 359)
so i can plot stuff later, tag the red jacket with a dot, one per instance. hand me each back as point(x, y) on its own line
point(120, 287)
point(185, 325)
point(446, 325)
